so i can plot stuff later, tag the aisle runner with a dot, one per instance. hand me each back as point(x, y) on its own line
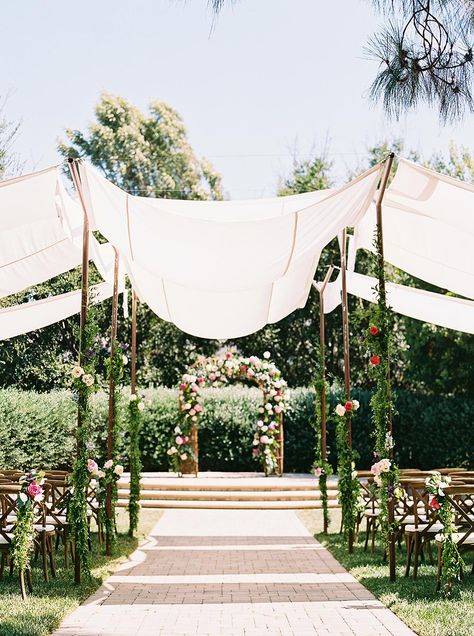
point(231, 572)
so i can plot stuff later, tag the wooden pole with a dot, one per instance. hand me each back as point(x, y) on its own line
point(322, 359)
point(109, 509)
point(383, 302)
point(347, 370)
point(83, 319)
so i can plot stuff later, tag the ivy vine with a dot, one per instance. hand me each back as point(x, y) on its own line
point(322, 468)
point(31, 491)
point(135, 407)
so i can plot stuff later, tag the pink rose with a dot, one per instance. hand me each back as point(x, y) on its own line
point(92, 466)
point(271, 426)
point(318, 471)
point(278, 409)
point(34, 490)
point(228, 355)
point(255, 451)
point(198, 408)
point(253, 359)
point(250, 373)
point(179, 440)
point(264, 439)
point(212, 377)
point(200, 380)
point(192, 412)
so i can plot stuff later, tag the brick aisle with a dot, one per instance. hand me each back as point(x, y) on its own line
point(231, 573)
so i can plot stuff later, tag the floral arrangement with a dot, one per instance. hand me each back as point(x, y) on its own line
point(24, 532)
point(348, 484)
point(219, 371)
point(105, 477)
point(453, 563)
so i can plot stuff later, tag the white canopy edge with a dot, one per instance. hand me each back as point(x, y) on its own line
point(428, 228)
point(36, 314)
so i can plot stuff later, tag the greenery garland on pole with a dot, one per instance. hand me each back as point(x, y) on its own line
point(322, 468)
point(348, 482)
point(84, 385)
point(135, 408)
point(114, 368)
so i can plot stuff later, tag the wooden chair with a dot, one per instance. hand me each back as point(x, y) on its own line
point(461, 498)
point(45, 533)
point(424, 528)
point(57, 514)
point(371, 514)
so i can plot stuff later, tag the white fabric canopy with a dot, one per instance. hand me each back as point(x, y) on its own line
point(428, 228)
point(223, 269)
point(41, 233)
point(36, 314)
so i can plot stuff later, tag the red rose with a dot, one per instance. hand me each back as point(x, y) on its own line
point(374, 360)
point(243, 367)
point(374, 331)
point(183, 386)
point(348, 406)
point(228, 355)
point(433, 502)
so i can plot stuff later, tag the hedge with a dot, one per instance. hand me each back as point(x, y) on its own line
point(37, 429)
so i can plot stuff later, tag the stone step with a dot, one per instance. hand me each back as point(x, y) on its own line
point(229, 495)
point(231, 505)
point(200, 485)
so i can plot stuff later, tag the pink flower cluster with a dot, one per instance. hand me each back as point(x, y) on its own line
point(383, 466)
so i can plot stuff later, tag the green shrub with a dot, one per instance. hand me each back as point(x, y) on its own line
point(37, 429)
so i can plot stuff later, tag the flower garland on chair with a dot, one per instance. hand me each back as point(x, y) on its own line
point(217, 372)
point(453, 563)
point(348, 482)
point(24, 531)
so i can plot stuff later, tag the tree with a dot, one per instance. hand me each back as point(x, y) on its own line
point(149, 155)
point(426, 54)
point(9, 164)
point(425, 50)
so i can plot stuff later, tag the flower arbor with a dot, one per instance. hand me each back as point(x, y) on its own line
point(220, 371)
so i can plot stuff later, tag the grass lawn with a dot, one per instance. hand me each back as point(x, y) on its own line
point(50, 602)
point(415, 602)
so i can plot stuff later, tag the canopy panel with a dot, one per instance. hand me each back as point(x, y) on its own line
point(223, 269)
point(428, 228)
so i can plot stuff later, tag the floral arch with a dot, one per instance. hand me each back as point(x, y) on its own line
point(219, 371)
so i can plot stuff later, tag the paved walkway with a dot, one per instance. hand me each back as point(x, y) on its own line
point(231, 573)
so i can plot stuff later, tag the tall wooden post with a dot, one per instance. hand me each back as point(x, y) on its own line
point(322, 361)
point(347, 370)
point(83, 320)
point(109, 508)
point(133, 368)
point(383, 303)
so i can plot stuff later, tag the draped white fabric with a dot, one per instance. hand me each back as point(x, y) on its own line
point(438, 309)
point(36, 314)
point(428, 228)
point(223, 269)
point(41, 233)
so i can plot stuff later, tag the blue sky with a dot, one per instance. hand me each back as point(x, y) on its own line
point(269, 77)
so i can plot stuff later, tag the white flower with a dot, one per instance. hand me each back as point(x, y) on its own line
point(183, 456)
point(255, 442)
point(355, 404)
point(340, 410)
point(172, 450)
point(124, 359)
point(141, 406)
point(23, 497)
point(268, 406)
point(264, 429)
point(267, 355)
point(187, 406)
point(100, 474)
point(77, 371)
point(177, 430)
point(88, 379)
point(108, 463)
point(133, 397)
point(39, 497)
point(194, 418)
point(118, 470)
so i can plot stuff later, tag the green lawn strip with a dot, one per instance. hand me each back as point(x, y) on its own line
point(415, 602)
point(47, 607)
